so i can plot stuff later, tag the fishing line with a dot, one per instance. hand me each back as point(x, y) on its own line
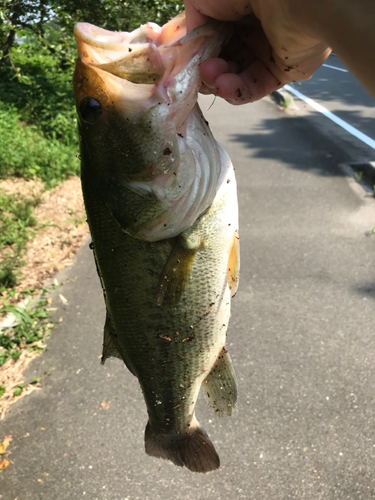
point(213, 102)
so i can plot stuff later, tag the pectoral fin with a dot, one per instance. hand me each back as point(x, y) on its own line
point(234, 265)
point(220, 385)
point(111, 348)
point(176, 272)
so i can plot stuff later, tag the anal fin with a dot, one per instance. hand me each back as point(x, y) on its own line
point(220, 385)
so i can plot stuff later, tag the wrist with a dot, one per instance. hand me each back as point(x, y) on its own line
point(309, 16)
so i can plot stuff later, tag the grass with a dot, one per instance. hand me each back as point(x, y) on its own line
point(17, 225)
point(32, 327)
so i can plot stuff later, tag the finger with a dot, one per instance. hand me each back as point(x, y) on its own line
point(193, 17)
point(212, 68)
point(255, 82)
point(287, 65)
point(223, 10)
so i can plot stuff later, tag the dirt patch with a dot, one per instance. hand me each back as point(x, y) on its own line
point(63, 215)
point(11, 377)
point(24, 188)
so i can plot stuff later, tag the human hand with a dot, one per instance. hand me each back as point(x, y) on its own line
point(268, 48)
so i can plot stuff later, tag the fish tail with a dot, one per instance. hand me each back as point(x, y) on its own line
point(192, 449)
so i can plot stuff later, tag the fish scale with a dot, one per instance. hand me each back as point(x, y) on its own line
point(126, 295)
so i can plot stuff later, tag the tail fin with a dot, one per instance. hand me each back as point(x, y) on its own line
point(192, 449)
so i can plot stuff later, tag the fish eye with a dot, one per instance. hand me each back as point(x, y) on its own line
point(90, 109)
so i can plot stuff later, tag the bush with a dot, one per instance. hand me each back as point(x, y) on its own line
point(39, 85)
point(26, 152)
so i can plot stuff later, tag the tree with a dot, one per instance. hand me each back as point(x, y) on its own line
point(20, 14)
point(35, 15)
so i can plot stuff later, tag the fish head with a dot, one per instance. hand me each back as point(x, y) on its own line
point(135, 96)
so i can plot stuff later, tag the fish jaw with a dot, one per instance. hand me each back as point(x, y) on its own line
point(160, 118)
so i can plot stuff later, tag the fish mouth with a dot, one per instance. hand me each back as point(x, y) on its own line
point(147, 54)
point(147, 33)
point(131, 56)
point(145, 84)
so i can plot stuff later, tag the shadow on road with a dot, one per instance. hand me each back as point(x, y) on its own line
point(367, 290)
point(357, 119)
point(343, 89)
point(295, 142)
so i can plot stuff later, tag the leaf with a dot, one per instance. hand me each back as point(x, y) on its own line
point(18, 391)
point(4, 464)
point(4, 445)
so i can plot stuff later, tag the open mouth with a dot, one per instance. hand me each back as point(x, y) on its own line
point(131, 56)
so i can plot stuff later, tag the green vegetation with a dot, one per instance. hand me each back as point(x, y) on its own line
point(18, 391)
point(16, 226)
point(27, 152)
point(31, 327)
point(37, 112)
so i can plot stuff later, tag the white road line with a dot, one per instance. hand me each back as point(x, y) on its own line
point(349, 128)
point(335, 67)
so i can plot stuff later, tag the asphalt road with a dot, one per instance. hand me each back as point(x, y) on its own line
point(301, 338)
point(335, 88)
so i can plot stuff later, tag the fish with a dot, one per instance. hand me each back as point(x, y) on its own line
point(161, 202)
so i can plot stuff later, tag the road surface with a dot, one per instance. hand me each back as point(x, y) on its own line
point(301, 338)
point(335, 88)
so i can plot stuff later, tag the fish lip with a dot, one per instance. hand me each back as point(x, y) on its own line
point(100, 37)
point(125, 54)
point(148, 33)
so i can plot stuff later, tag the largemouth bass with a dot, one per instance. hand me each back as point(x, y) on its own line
point(161, 202)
